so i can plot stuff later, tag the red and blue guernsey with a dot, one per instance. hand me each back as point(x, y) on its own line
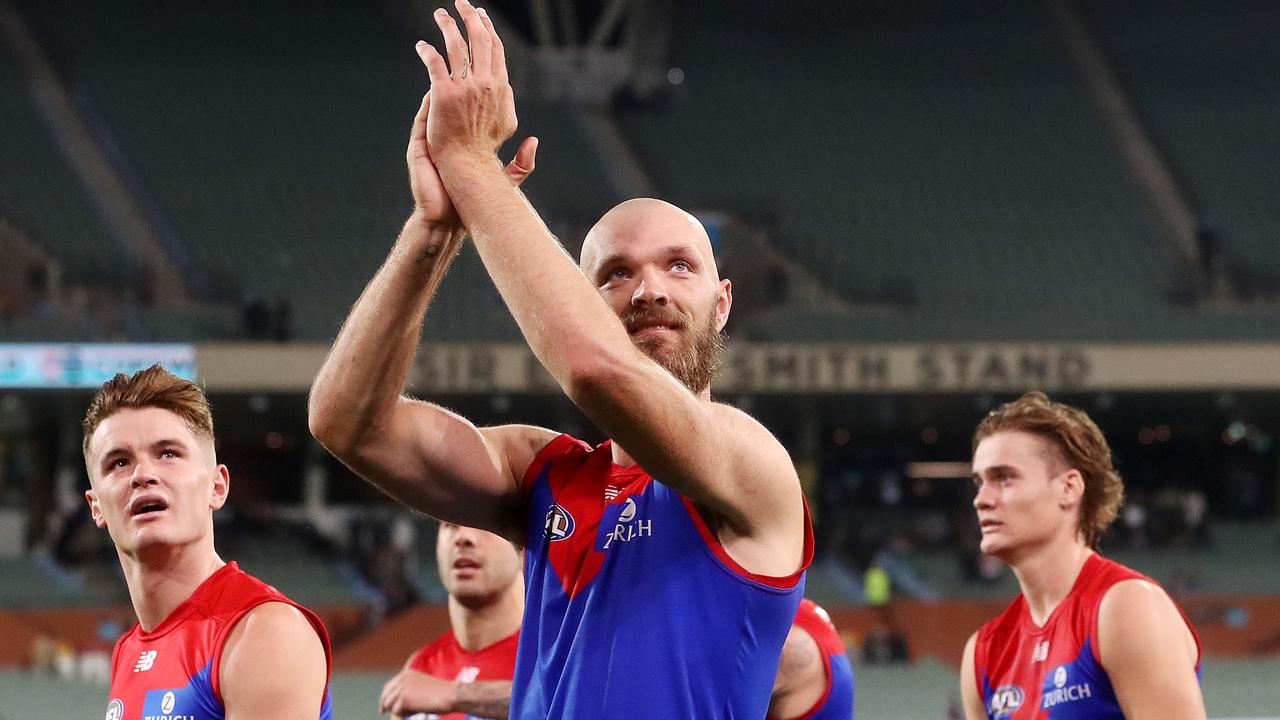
point(634, 610)
point(836, 702)
point(1052, 672)
point(171, 673)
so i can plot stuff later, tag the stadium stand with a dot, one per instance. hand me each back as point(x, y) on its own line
point(40, 192)
point(1202, 76)
point(946, 164)
point(273, 139)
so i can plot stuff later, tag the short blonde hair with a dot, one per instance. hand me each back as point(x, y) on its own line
point(154, 387)
point(1080, 445)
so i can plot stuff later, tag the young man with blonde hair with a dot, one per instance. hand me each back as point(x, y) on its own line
point(211, 642)
point(1087, 637)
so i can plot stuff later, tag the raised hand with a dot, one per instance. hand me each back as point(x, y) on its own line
point(430, 201)
point(473, 109)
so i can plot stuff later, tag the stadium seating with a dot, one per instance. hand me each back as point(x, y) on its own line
point(272, 137)
point(940, 159)
point(1203, 78)
point(40, 192)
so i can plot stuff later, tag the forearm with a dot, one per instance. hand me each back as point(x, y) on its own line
point(486, 699)
point(365, 372)
point(535, 276)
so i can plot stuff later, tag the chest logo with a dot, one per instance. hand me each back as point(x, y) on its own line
point(115, 711)
point(611, 492)
point(1061, 692)
point(468, 674)
point(559, 524)
point(1041, 651)
point(620, 525)
point(1004, 700)
point(167, 702)
point(145, 661)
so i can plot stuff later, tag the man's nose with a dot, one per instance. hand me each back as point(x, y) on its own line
point(649, 291)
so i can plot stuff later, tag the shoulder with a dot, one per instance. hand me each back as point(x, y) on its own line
point(1137, 619)
point(1130, 598)
point(271, 634)
point(763, 451)
point(271, 622)
point(521, 445)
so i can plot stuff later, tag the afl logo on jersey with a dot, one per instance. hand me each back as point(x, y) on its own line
point(559, 524)
point(115, 711)
point(1004, 700)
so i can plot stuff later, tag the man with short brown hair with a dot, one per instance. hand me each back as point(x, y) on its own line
point(1087, 636)
point(211, 641)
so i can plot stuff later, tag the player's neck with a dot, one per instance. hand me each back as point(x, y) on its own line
point(1047, 575)
point(162, 578)
point(478, 628)
point(623, 458)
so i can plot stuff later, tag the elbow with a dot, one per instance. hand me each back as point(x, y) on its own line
point(331, 425)
point(599, 380)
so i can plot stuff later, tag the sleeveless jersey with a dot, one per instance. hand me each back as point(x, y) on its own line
point(836, 702)
point(633, 608)
point(1052, 672)
point(445, 658)
point(171, 673)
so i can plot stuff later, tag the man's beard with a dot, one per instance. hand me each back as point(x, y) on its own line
point(693, 359)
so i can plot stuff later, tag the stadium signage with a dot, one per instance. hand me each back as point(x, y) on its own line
point(52, 366)
point(793, 368)
point(805, 368)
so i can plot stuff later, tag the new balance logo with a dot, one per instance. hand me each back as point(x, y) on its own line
point(611, 492)
point(145, 661)
point(1040, 652)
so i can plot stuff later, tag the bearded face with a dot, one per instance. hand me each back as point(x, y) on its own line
point(687, 348)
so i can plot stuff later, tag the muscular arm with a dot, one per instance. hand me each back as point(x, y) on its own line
point(972, 701)
point(1149, 653)
point(802, 676)
point(713, 454)
point(421, 454)
point(273, 666)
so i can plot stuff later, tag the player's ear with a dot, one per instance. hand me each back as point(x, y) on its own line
point(724, 301)
point(95, 510)
point(1072, 488)
point(220, 487)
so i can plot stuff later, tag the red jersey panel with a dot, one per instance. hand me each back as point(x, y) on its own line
point(1052, 672)
point(445, 658)
point(171, 673)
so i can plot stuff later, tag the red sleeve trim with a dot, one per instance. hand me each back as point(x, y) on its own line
point(220, 641)
point(558, 446)
point(713, 544)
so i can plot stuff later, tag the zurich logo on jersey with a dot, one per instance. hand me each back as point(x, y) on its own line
point(1061, 692)
point(1004, 700)
point(559, 524)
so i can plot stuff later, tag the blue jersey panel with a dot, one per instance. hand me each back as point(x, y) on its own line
point(630, 614)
